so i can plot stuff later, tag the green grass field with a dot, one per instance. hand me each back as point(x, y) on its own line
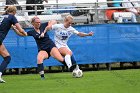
point(118, 81)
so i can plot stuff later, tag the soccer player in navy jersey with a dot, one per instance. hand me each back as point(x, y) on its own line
point(46, 46)
point(6, 21)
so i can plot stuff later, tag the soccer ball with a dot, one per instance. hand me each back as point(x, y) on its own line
point(77, 73)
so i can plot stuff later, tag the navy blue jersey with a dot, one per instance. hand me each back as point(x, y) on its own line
point(6, 21)
point(42, 43)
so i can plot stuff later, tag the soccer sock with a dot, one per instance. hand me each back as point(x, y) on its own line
point(64, 63)
point(77, 67)
point(41, 69)
point(41, 73)
point(73, 59)
point(4, 63)
point(68, 61)
point(0, 74)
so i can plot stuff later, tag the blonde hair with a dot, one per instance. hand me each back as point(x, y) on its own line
point(10, 9)
point(34, 18)
point(68, 17)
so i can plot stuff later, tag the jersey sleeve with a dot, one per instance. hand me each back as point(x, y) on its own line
point(29, 33)
point(33, 33)
point(74, 31)
point(55, 26)
point(43, 26)
point(14, 20)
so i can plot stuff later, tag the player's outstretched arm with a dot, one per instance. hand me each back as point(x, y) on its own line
point(18, 30)
point(48, 27)
point(81, 34)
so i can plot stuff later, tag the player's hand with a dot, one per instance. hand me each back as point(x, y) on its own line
point(90, 33)
point(42, 35)
point(52, 22)
point(14, 27)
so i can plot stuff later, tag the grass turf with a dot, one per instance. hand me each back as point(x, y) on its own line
point(118, 81)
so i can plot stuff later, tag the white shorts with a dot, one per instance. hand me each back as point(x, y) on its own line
point(58, 45)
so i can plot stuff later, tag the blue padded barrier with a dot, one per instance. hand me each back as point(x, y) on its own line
point(110, 43)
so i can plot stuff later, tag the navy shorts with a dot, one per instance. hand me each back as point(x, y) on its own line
point(48, 49)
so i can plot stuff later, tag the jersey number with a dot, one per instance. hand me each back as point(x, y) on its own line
point(1, 19)
point(64, 37)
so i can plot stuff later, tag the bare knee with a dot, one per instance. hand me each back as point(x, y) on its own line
point(70, 53)
point(61, 59)
point(67, 53)
point(56, 54)
point(40, 59)
point(41, 56)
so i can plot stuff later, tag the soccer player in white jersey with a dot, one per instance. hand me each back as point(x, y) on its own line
point(62, 34)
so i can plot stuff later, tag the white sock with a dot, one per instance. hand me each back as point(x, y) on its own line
point(0, 74)
point(77, 67)
point(68, 60)
point(41, 72)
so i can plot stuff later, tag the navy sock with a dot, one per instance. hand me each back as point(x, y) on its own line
point(73, 60)
point(4, 63)
point(64, 63)
point(40, 67)
point(42, 75)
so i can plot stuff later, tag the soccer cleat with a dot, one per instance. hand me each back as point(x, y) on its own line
point(72, 67)
point(42, 76)
point(1, 80)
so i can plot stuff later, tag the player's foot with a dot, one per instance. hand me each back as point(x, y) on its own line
point(42, 76)
point(72, 67)
point(1, 80)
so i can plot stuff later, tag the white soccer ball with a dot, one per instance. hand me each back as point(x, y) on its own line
point(77, 73)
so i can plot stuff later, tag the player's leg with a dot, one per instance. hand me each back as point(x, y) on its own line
point(65, 51)
point(40, 57)
point(56, 54)
point(6, 56)
point(67, 54)
point(74, 61)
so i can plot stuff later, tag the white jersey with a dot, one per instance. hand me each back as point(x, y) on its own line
point(62, 34)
